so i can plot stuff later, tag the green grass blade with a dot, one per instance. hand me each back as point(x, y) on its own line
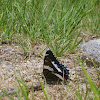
point(93, 86)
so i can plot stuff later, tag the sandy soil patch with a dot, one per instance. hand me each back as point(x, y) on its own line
point(12, 61)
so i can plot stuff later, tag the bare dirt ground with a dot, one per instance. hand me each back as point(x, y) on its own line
point(12, 60)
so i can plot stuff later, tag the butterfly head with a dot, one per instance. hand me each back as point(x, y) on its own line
point(51, 56)
point(49, 52)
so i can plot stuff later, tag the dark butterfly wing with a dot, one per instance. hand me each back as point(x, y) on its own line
point(48, 70)
point(52, 69)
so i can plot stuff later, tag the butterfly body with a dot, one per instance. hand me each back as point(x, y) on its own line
point(52, 69)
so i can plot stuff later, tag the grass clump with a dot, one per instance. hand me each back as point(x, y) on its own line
point(92, 20)
point(95, 90)
point(55, 22)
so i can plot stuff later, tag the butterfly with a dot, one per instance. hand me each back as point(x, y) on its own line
point(52, 69)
